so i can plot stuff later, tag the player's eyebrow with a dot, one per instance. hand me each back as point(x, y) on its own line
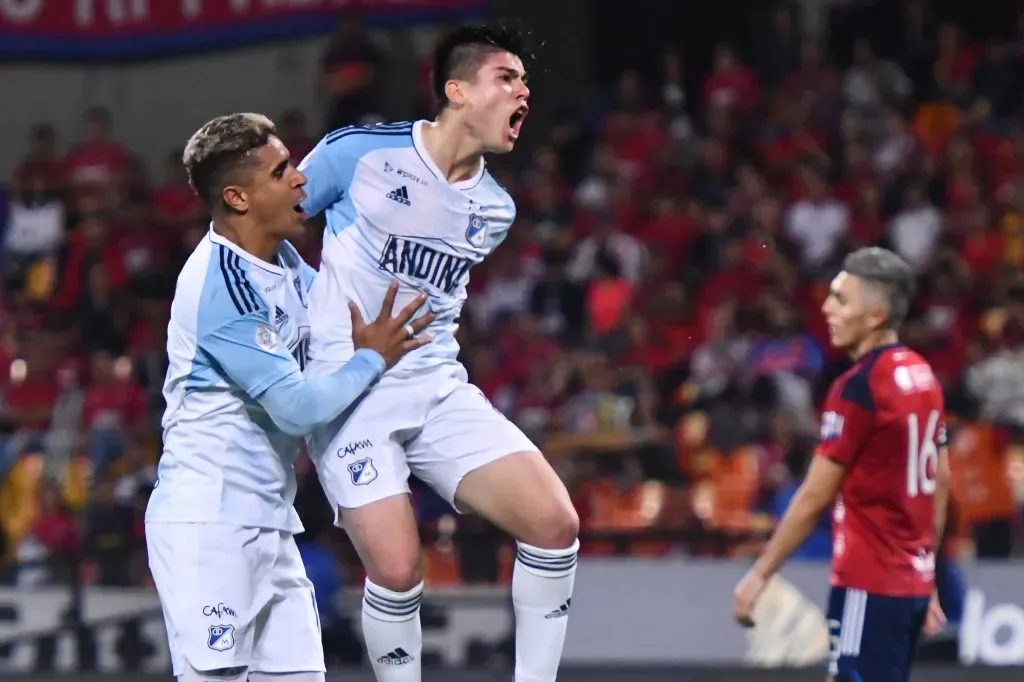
point(279, 169)
point(508, 70)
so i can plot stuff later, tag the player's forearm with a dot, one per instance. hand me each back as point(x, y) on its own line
point(942, 477)
point(299, 405)
point(796, 525)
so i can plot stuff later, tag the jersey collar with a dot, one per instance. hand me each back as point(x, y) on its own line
point(878, 350)
point(272, 268)
point(417, 143)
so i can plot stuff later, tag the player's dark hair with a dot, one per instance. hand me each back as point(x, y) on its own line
point(882, 268)
point(462, 51)
point(220, 149)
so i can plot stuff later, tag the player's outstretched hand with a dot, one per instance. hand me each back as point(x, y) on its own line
point(391, 336)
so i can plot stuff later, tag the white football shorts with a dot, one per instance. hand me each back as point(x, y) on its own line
point(234, 597)
point(433, 424)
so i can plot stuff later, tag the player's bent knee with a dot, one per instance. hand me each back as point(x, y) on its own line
point(387, 540)
point(391, 560)
point(398, 576)
point(286, 677)
point(555, 525)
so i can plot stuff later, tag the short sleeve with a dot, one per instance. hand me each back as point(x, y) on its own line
point(329, 171)
point(847, 419)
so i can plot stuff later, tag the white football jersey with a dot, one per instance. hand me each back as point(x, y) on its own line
point(238, 325)
point(391, 214)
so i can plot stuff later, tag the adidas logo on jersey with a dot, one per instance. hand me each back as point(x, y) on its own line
point(401, 195)
point(397, 657)
point(280, 316)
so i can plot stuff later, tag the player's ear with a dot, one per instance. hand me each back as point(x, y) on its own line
point(455, 91)
point(236, 198)
point(878, 315)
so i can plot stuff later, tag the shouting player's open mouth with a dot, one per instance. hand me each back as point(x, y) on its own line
point(298, 207)
point(515, 122)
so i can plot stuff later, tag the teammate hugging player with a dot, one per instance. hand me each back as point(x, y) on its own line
point(882, 452)
point(414, 201)
point(220, 523)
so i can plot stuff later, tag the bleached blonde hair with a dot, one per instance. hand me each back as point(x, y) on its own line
point(222, 146)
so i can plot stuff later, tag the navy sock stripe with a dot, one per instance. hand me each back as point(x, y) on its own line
point(406, 610)
point(560, 561)
point(391, 601)
point(546, 567)
point(553, 565)
point(412, 610)
point(547, 561)
point(543, 558)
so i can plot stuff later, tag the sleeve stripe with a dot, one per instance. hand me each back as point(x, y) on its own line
point(405, 129)
point(227, 280)
point(246, 286)
point(236, 273)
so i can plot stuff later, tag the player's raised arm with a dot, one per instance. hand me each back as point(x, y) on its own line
point(247, 349)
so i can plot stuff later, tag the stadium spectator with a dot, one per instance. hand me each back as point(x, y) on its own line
point(351, 75)
point(114, 413)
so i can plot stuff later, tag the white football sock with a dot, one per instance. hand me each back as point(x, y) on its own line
point(542, 583)
point(391, 628)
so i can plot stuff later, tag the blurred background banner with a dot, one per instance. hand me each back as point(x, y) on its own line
point(678, 601)
point(72, 30)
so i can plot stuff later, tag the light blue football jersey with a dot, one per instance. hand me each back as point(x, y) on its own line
point(238, 326)
point(391, 214)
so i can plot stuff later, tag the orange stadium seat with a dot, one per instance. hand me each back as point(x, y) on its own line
point(733, 488)
point(441, 564)
point(634, 510)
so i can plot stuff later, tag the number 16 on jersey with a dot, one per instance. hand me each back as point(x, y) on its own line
point(923, 453)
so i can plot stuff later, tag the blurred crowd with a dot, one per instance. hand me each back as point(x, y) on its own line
point(652, 322)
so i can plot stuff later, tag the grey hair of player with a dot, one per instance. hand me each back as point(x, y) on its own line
point(220, 148)
point(885, 275)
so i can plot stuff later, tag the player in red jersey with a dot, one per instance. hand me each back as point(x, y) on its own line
point(882, 460)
